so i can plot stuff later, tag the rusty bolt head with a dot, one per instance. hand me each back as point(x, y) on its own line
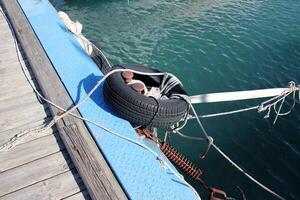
point(127, 75)
point(138, 87)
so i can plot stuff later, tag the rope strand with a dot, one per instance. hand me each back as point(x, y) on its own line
point(232, 162)
point(266, 105)
point(69, 112)
point(281, 98)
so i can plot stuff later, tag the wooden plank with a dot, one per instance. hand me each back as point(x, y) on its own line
point(15, 80)
point(7, 83)
point(83, 195)
point(13, 83)
point(4, 29)
point(74, 135)
point(10, 50)
point(2, 20)
point(36, 146)
point(28, 100)
point(58, 187)
point(6, 35)
point(6, 62)
point(9, 43)
point(14, 68)
point(10, 54)
point(30, 151)
point(5, 136)
point(87, 158)
point(33, 172)
point(21, 116)
point(17, 129)
point(14, 91)
point(18, 92)
point(27, 105)
point(15, 114)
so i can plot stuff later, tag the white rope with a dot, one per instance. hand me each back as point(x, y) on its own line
point(179, 176)
point(169, 83)
point(76, 28)
point(224, 113)
point(69, 112)
point(230, 160)
point(246, 174)
point(99, 83)
point(109, 64)
point(266, 105)
point(18, 138)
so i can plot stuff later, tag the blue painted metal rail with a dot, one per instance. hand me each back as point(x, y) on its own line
point(140, 173)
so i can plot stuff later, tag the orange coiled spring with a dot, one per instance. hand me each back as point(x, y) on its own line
point(181, 161)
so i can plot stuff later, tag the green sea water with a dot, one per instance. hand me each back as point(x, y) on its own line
point(214, 46)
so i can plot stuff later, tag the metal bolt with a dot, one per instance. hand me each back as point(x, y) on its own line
point(127, 75)
point(138, 87)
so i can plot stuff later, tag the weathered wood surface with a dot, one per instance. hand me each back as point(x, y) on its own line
point(39, 166)
point(6, 135)
point(20, 156)
point(92, 167)
point(20, 116)
point(67, 185)
point(33, 172)
point(78, 196)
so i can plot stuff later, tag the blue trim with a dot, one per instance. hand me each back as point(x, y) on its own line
point(139, 172)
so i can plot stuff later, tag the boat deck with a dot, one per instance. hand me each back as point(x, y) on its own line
point(39, 167)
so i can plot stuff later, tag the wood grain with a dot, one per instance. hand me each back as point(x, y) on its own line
point(31, 150)
point(91, 165)
point(58, 187)
point(33, 172)
point(15, 97)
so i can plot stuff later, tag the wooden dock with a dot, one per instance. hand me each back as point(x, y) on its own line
point(60, 163)
point(39, 167)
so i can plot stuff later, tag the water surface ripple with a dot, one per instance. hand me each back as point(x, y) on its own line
point(215, 45)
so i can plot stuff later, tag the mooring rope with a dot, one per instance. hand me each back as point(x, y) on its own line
point(264, 106)
point(224, 113)
point(226, 157)
point(21, 136)
point(69, 112)
point(75, 28)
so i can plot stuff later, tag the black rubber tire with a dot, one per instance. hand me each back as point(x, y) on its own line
point(139, 109)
